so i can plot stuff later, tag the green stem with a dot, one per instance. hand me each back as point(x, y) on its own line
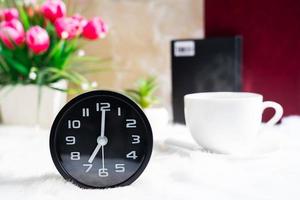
point(4, 64)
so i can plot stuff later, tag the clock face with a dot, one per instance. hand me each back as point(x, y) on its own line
point(101, 139)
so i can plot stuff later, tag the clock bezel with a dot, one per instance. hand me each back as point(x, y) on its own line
point(53, 135)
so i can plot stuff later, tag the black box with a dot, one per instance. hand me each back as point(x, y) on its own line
point(204, 65)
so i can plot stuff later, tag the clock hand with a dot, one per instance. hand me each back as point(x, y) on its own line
point(92, 157)
point(102, 134)
point(102, 157)
point(102, 123)
point(101, 140)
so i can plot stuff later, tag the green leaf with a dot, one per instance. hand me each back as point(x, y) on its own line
point(21, 55)
point(23, 17)
point(50, 74)
point(86, 70)
point(57, 48)
point(5, 51)
point(143, 94)
point(71, 46)
point(134, 96)
point(4, 65)
point(17, 66)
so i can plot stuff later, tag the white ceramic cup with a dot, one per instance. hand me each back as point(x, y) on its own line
point(227, 122)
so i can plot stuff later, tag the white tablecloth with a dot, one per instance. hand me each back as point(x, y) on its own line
point(27, 171)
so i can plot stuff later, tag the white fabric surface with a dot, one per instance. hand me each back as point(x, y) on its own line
point(27, 171)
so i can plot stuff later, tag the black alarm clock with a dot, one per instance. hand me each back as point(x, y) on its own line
point(101, 139)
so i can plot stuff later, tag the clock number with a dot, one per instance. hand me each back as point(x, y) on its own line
point(102, 106)
point(75, 124)
point(120, 168)
point(85, 112)
point(103, 172)
point(75, 155)
point(70, 140)
point(136, 139)
point(132, 155)
point(89, 167)
point(130, 123)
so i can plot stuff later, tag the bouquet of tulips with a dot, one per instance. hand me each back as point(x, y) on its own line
point(38, 42)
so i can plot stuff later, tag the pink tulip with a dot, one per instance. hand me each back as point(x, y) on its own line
point(68, 28)
point(37, 39)
point(12, 33)
point(9, 14)
point(83, 22)
point(95, 28)
point(53, 9)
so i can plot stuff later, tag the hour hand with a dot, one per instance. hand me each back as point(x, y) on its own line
point(92, 157)
point(102, 141)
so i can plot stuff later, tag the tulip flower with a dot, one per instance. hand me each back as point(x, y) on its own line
point(37, 39)
point(68, 28)
point(83, 22)
point(53, 9)
point(12, 33)
point(9, 14)
point(95, 28)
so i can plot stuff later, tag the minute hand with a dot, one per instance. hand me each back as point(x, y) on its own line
point(101, 140)
point(102, 123)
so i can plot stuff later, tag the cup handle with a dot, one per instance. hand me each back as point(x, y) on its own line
point(278, 111)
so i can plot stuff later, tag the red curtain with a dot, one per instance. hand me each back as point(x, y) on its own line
point(271, 52)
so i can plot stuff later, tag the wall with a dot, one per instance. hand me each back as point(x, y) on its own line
point(139, 39)
point(271, 31)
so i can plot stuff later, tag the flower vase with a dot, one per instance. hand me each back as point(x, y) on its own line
point(21, 105)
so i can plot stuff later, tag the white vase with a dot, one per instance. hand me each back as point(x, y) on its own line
point(19, 104)
point(159, 119)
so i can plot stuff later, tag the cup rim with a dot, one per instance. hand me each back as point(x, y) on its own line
point(223, 96)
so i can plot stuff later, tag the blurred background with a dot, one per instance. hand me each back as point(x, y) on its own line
point(237, 46)
point(139, 39)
